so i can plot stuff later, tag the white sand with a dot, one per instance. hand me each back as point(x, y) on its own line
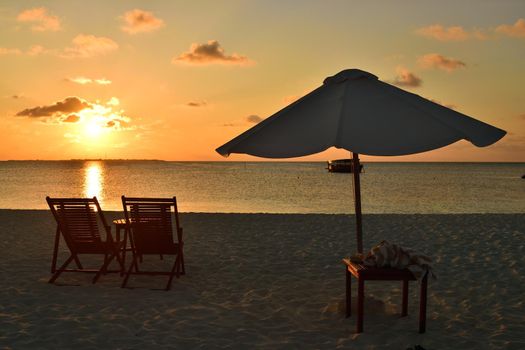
point(271, 282)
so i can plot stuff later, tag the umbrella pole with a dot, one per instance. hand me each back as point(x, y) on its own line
point(357, 201)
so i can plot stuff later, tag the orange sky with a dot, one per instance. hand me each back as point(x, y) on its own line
point(176, 79)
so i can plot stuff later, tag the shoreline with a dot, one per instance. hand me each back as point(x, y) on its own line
point(113, 212)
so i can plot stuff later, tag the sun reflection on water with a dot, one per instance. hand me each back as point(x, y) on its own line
point(94, 180)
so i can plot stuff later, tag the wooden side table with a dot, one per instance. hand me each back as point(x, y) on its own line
point(364, 273)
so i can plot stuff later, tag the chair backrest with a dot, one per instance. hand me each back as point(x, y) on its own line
point(77, 220)
point(151, 222)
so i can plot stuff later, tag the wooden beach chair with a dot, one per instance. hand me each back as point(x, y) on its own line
point(77, 221)
point(150, 223)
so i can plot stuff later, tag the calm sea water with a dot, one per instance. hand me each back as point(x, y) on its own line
point(271, 187)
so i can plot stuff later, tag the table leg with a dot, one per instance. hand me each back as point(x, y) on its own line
point(348, 293)
point(423, 305)
point(360, 303)
point(404, 310)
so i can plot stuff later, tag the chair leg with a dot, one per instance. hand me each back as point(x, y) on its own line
point(404, 307)
point(105, 261)
point(120, 260)
point(182, 262)
point(124, 251)
point(55, 251)
point(104, 266)
point(127, 274)
point(61, 268)
point(174, 271)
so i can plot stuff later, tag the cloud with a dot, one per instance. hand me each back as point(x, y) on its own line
point(210, 53)
point(196, 104)
point(35, 50)
point(434, 60)
point(406, 79)
point(80, 80)
point(89, 116)
point(453, 33)
point(41, 20)
point(102, 81)
point(85, 46)
point(516, 30)
point(441, 33)
point(72, 118)
point(32, 51)
point(84, 80)
point(7, 51)
point(69, 105)
point(140, 21)
point(253, 119)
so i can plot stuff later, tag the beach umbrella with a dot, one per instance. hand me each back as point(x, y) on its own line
point(354, 110)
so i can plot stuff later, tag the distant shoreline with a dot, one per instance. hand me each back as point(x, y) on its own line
point(248, 161)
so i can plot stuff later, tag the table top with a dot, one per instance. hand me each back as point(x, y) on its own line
point(119, 222)
point(359, 270)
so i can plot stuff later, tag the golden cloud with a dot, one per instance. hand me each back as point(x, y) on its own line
point(8, 51)
point(438, 32)
point(210, 53)
point(42, 21)
point(77, 110)
point(196, 104)
point(69, 105)
point(140, 21)
point(254, 119)
point(85, 46)
point(405, 78)
point(516, 30)
point(453, 33)
point(72, 118)
point(84, 80)
point(434, 60)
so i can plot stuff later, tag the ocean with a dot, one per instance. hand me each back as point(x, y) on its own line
point(270, 187)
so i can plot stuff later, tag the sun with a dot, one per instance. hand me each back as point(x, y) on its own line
point(97, 123)
point(93, 128)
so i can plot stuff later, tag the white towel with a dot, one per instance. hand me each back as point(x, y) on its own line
point(387, 254)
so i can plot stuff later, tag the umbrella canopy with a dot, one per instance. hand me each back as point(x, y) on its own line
point(356, 111)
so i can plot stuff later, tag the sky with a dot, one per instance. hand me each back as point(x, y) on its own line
point(174, 80)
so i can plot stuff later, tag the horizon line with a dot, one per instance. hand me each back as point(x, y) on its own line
point(243, 161)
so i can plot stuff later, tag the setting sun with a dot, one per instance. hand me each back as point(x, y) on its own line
point(93, 129)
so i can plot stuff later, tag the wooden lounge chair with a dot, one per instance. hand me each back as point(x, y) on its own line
point(150, 223)
point(77, 221)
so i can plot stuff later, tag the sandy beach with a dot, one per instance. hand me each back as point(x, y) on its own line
point(273, 282)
